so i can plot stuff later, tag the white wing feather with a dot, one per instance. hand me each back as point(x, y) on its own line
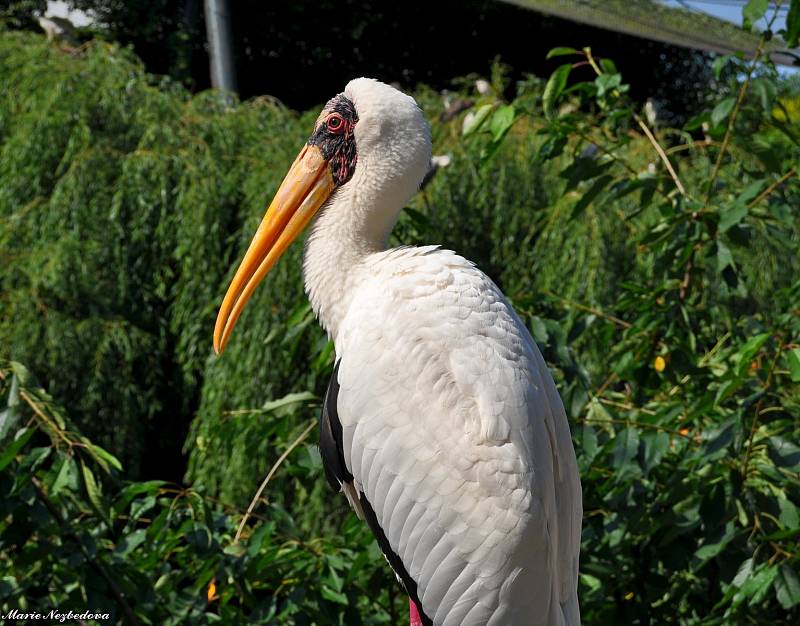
point(454, 431)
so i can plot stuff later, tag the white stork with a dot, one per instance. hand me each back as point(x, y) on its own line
point(441, 424)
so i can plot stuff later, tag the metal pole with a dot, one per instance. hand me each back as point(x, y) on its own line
point(220, 44)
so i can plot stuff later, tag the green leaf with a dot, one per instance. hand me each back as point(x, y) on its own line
point(67, 476)
point(756, 586)
point(592, 582)
point(719, 64)
point(538, 330)
point(731, 216)
point(787, 452)
point(589, 441)
point(554, 88)
point(744, 572)
point(606, 83)
point(722, 110)
point(750, 192)
point(93, 491)
point(130, 542)
point(333, 596)
point(105, 457)
point(477, 120)
point(11, 450)
point(561, 51)
point(766, 90)
point(753, 11)
point(724, 256)
point(748, 352)
point(793, 25)
point(710, 550)
point(787, 587)
point(588, 197)
point(727, 389)
point(697, 121)
point(287, 400)
point(793, 363)
point(655, 447)
point(625, 448)
point(789, 515)
point(10, 415)
point(608, 66)
point(502, 120)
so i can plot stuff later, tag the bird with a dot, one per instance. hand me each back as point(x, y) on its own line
point(441, 424)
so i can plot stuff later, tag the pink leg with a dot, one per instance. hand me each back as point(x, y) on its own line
point(416, 620)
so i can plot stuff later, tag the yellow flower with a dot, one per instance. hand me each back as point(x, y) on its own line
point(659, 364)
point(212, 590)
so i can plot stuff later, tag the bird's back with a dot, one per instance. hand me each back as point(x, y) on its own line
point(457, 442)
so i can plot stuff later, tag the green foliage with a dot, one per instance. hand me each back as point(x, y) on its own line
point(75, 536)
point(665, 300)
point(119, 203)
point(687, 420)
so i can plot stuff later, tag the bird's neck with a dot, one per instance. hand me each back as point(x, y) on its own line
point(354, 224)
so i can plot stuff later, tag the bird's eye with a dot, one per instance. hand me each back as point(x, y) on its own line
point(335, 123)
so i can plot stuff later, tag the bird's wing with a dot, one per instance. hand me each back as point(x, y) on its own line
point(457, 443)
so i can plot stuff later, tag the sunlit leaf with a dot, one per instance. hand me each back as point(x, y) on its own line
point(105, 456)
point(502, 120)
point(554, 88)
point(561, 51)
point(477, 120)
point(749, 350)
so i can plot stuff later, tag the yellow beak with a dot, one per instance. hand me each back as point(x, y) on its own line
point(305, 188)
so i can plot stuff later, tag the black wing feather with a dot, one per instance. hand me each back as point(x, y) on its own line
point(330, 436)
point(332, 451)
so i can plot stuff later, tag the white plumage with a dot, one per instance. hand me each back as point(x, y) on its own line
point(454, 431)
point(451, 425)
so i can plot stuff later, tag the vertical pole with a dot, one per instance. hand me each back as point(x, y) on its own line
point(220, 45)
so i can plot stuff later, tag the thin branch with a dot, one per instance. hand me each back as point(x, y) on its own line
point(272, 471)
point(626, 406)
point(588, 309)
point(638, 425)
point(732, 120)
point(608, 152)
point(700, 143)
point(792, 172)
point(601, 390)
point(662, 155)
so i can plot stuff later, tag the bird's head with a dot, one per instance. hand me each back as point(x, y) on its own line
point(370, 142)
